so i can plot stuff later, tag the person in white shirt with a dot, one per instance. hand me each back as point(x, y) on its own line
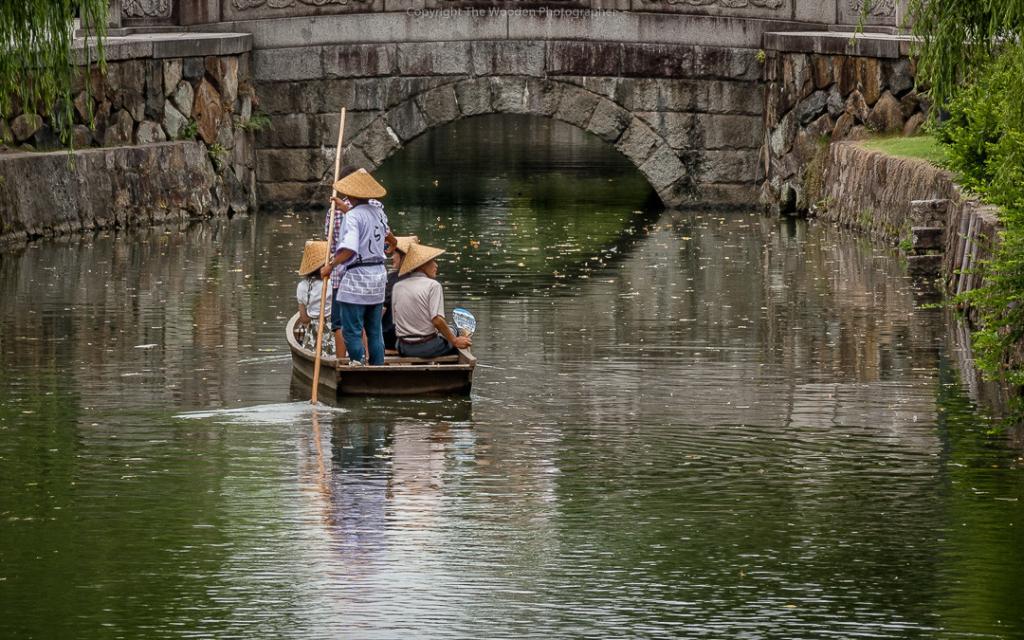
point(418, 300)
point(308, 294)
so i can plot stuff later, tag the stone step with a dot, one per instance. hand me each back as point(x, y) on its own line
point(920, 266)
point(927, 238)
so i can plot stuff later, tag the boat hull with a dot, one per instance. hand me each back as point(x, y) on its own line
point(396, 377)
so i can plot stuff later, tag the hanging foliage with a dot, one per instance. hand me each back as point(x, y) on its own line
point(958, 38)
point(37, 63)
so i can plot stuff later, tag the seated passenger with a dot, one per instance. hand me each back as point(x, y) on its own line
point(387, 320)
point(418, 301)
point(308, 294)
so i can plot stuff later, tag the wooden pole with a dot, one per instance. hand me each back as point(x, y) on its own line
point(330, 234)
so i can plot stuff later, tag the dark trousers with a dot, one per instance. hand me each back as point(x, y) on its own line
point(433, 348)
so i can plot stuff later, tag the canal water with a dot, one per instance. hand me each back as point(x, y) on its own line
point(685, 424)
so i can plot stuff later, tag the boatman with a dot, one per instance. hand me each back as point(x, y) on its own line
point(363, 239)
point(418, 299)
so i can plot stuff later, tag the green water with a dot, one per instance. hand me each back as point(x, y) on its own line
point(684, 424)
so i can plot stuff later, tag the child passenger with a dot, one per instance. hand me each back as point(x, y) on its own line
point(308, 293)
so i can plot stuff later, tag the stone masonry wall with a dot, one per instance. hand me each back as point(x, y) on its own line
point(813, 99)
point(689, 117)
point(140, 101)
point(52, 194)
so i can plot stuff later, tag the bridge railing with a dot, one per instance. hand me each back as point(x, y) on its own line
point(822, 13)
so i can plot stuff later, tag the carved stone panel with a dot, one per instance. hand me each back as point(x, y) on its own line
point(881, 12)
point(251, 9)
point(147, 8)
point(746, 8)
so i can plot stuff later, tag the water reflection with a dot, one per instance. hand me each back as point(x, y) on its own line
point(718, 426)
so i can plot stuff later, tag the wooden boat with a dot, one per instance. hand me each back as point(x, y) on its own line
point(398, 376)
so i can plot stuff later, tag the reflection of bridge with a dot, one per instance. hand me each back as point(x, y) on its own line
point(675, 85)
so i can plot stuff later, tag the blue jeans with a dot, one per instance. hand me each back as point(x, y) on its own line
point(354, 319)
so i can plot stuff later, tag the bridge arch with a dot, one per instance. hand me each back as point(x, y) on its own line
point(669, 174)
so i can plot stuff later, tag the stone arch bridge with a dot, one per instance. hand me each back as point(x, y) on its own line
point(675, 85)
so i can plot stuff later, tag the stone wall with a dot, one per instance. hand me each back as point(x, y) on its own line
point(689, 117)
point(155, 89)
point(51, 194)
point(836, 92)
point(915, 204)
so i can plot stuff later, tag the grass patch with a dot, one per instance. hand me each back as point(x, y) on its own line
point(919, 147)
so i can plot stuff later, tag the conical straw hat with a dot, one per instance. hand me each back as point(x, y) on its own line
point(314, 256)
point(404, 242)
point(417, 256)
point(360, 184)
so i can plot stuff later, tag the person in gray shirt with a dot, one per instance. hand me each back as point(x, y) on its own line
point(418, 301)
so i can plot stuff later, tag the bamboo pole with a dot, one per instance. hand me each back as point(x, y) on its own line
point(330, 234)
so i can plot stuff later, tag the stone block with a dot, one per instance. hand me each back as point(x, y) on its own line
point(914, 124)
point(172, 75)
point(298, 63)
point(154, 89)
point(193, 68)
point(929, 213)
point(910, 104)
point(543, 96)
point(359, 60)
point(149, 132)
point(845, 73)
point(223, 70)
point(46, 139)
point(899, 76)
point(507, 57)
point(474, 96)
point(608, 121)
point(81, 136)
point(291, 97)
point(655, 94)
point(811, 107)
point(725, 63)
point(509, 95)
point(869, 79)
point(924, 266)
point(822, 71)
point(927, 238)
point(439, 106)
point(857, 106)
point(378, 141)
point(120, 129)
point(663, 168)
point(207, 111)
point(656, 60)
point(835, 103)
point(844, 125)
point(585, 58)
point(279, 195)
point(183, 97)
point(284, 165)
point(780, 140)
point(576, 106)
point(406, 120)
point(638, 142)
point(83, 103)
point(886, 116)
point(434, 58)
point(173, 121)
point(730, 166)
point(680, 130)
point(729, 131)
point(25, 126)
point(731, 97)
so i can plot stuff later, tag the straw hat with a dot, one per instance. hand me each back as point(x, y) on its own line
point(314, 256)
point(360, 184)
point(404, 242)
point(417, 256)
